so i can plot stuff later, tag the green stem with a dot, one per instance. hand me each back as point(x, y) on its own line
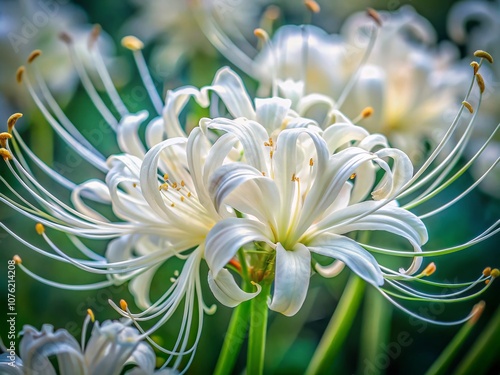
point(237, 329)
point(441, 365)
point(337, 329)
point(375, 329)
point(233, 340)
point(258, 328)
point(484, 350)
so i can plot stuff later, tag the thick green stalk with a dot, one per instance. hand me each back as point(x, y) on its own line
point(258, 328)
point(235, 335)
point(375, 330)
point(484, 350)
point(337, 329)
point(237, 329)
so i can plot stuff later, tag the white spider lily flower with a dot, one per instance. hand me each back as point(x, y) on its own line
point(397, 69)
point(294, 199)
point(484, 35)
point(111, 347)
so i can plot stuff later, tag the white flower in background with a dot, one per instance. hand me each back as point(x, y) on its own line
point(411, 83)
point(26, 25)
point(484, 34)
point(111, 347)
point(175, 34)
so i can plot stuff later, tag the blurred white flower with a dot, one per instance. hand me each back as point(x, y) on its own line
point(29, 25)
point(397, 69)
point(485, 35)
point(111, 347)
point(173, 31)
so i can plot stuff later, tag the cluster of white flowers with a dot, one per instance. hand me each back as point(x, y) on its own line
point(265, 188)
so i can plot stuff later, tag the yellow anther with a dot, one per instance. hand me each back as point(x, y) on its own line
point(132, 43)
point(91, 314)
point(12, 121)
point(94, 35)
point(495, 273)
point(293, 177)
point(429, 270)
point(373, 14)
point(475, 66)
point(3, 139)
point(182, 199)
point(272, 12)
point(5, 154)
point(33, 55)
point(19, 74)
point(468, 106)
point(367, 112)
point(17, 259)
point(40, 229)
point(134, 184)
point(487, 272)
point(352, 177)
point(65, 37)
point(477, 310)
point(172, 205)
point(174, 185)
point(165, 176)
point(486, 282)
point(183, 183)
point(263, 173)
point(189, 194)
point(311, 162)
point(271, 153)
point(480, 82)
point(261, 34)
point(484, 55)
point(312, 6)
point(123, 305)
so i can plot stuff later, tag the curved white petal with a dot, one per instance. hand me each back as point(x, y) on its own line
point(246, 190)
point(291, 280)
point(227, 236)
point(226, 290)
point(271, 112)
point(230, 88)
point(127, 134)
point(348, 251)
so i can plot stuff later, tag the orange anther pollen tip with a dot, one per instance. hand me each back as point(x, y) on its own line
point(495, 273)
point(312, 6)
point(40, 229)
point(91, 314)
point(12, 121)
point(487, 272)
point(123, 304)
point(132, 43)
point(477, 310)
point(33, 55)
point(484, 55)
point(19, 74)
point(17, 259)
point(430, 269)
point(373, 14)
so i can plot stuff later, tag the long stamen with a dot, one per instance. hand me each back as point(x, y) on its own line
point(104, 74)
point(87, 83)
point(136, 46)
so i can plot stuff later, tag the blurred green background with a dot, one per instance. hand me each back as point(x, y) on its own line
point(291, 341)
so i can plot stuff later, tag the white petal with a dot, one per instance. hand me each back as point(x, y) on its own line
point(230, 88)
point(271, 112)
point(227, 236)
point(341, 134)
point(246, 190)
point(140, 287)
point(348, 251)
point(128, 135)
point(291, 281)
point(226, 290)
